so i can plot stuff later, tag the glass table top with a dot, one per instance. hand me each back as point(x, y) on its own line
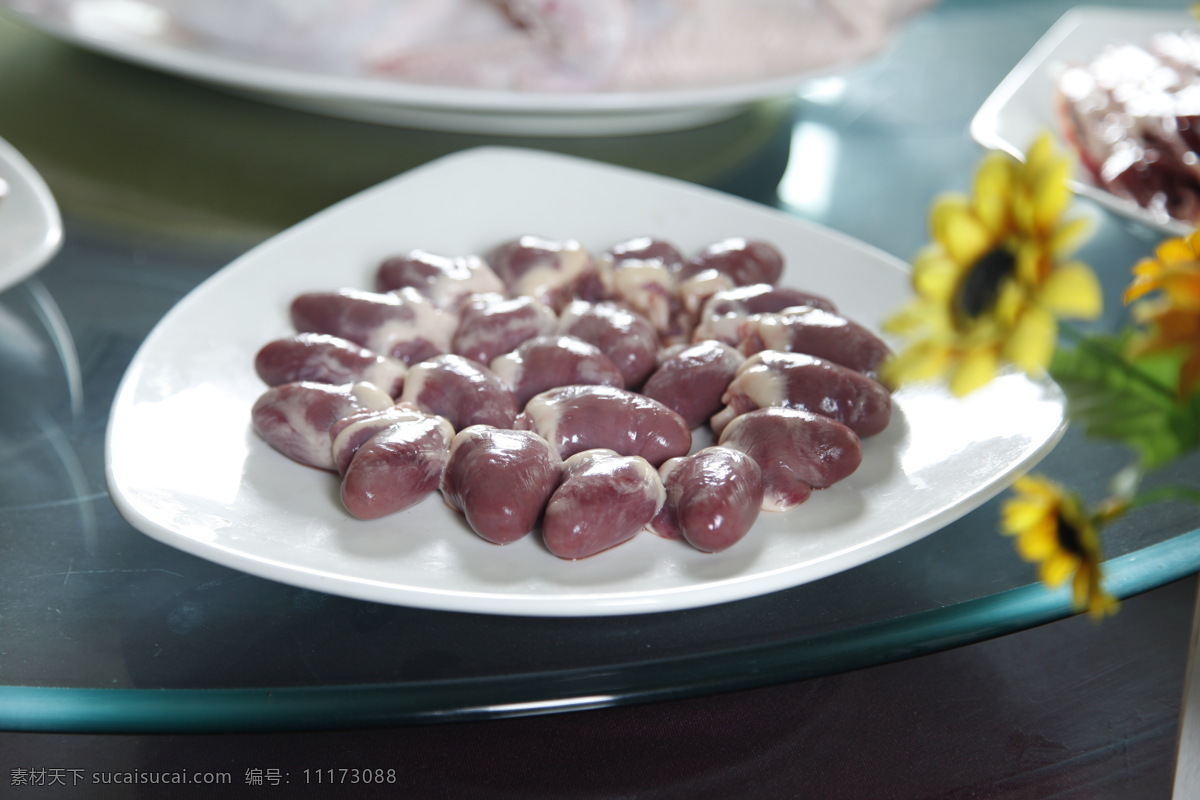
point(162, 182)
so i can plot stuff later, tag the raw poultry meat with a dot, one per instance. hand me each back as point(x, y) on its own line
point(321, 358)
point(461, 390)
point(551, 45)
point(818, 332)
point(397, 468)
point(797, 451)
point(491, 325)
point(795, 380)
point(350, 433)
point(401, 324)
point(547, 362)
point(648, 287)
point(296, 418)
point(1133, 117)
point(604, 499)
point(712, 498)
point(725, 313)
point(555, 272)
point(500, 480)
point(692, 380)
point(577, 418)
point(627, 338)
point(448, 281)
point(744, 261)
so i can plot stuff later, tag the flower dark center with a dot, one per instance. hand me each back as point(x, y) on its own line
point(1068, 536)
point(981, 286)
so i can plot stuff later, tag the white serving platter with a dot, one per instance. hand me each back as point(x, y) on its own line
point(185, 467)
point(144, 33)
point(31, 229)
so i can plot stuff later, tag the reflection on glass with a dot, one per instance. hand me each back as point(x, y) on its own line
point(807, 183)
point(60, 336)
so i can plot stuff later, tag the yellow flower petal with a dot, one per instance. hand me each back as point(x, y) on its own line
point(976, 369)
point(1039, 153)
point(1024, 210)
point(1102, 604)
point(1051, 194)
point(1038, 543)
point(1193, 240)
point(1172, 250)
point(993, 186)
point(1031, 344)
point(1057, 568)
point(1067, 238)
point(935, 275)
point(1020, 514)
point(923, 361)
point(965, 238)
point(1072, 290)
point(1011, 302)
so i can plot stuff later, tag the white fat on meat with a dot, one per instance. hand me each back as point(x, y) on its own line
point(296, 418)
point(578, 418)
point(327, 359)
point(462, 391)
point(448, 281)
point(350, 433)
point(547, 362)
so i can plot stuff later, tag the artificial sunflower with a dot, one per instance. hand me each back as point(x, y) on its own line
point(1054, 530)
point(1171, 319)
point(993, 281)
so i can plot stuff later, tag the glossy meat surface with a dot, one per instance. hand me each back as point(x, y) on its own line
point(604, 499)
point(578, 418)
point(744, 261)
point(797, 452)
point(817, 332)
point(321, 358)
point(646, 248)
point(648, 287)
point(692, 381)
point(492, 325)
point(726, 314)
point(626, 337)
point(350, 433)
point(795, 380)
point(500, 480)
point(448, 281)
point(295, 418)
point(463, 391)
point(402, 324)
point(397, 468)
point(547, 362)
point(713, 498)
point(554, 272)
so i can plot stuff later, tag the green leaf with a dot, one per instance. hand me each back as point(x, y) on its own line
point(1127, 400)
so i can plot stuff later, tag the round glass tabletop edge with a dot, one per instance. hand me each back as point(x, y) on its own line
point(97, 710)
